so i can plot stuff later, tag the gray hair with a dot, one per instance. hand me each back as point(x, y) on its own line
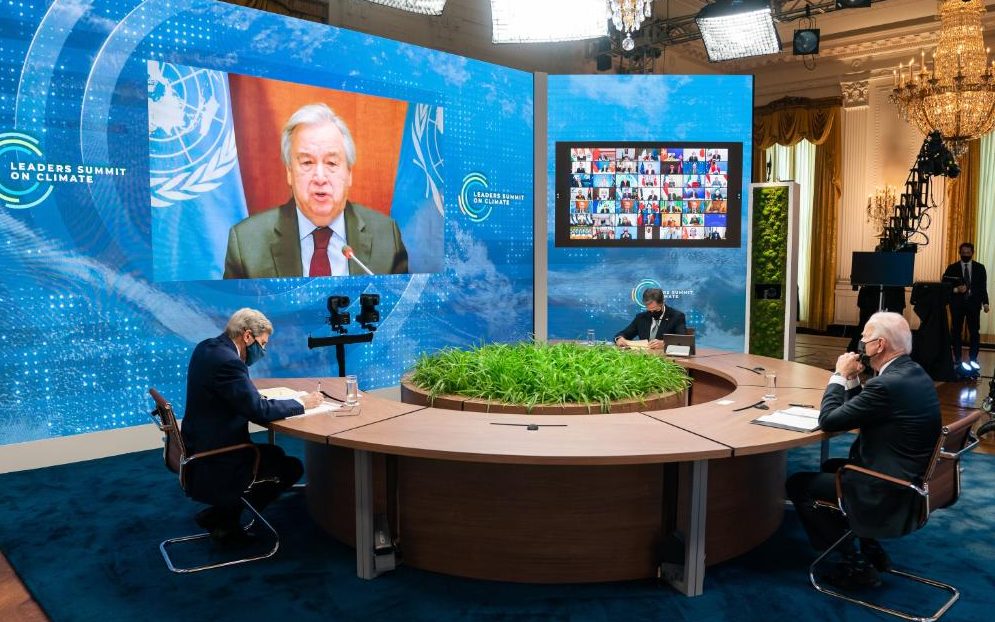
point(316, 114)
point(248, 319)
point(653, 294)
point(893, 328)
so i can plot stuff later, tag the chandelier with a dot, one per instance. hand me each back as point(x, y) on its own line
point(881, 207)
point(957, 94)
point(627, 16)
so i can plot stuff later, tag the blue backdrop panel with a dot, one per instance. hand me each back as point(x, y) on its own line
point(601, 288)
point(88, 319)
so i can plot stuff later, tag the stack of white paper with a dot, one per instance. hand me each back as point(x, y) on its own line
point(795, 418)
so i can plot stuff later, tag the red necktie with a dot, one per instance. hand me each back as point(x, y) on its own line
point(319, 260)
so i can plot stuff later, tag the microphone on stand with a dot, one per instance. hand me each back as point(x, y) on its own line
point(347, 251)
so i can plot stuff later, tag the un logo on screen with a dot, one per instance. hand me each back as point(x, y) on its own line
point(191, 137)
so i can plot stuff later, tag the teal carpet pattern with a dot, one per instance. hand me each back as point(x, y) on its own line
point(84, 539)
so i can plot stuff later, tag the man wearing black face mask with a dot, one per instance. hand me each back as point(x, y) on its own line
point(898, 415)
point(221, 401)
point(653, 323)
point(969, 297)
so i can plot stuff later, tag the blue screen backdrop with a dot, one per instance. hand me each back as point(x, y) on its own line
point(601, 288)
point(86, 327)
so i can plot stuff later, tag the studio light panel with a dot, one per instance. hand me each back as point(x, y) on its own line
point(529, 21)
point(741, 35)
point(426, 7)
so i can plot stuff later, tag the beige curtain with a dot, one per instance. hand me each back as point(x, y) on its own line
point(984, 234)
point(786, 122)
point(962, 202)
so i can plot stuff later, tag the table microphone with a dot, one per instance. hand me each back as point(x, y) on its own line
point(347, 251)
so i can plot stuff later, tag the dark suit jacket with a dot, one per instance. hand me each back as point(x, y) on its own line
point(979, 285)
point(221, 401)
point(898, 414)
point(267, 244)
point(672, 323)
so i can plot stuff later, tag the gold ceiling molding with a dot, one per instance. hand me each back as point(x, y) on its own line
point(855, 94)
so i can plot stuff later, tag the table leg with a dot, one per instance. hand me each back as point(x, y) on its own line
point(365, 564)
point(689, 578)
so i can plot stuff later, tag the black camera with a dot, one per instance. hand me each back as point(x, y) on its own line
point(368, 313)
point(935, 158)
point(336, 316)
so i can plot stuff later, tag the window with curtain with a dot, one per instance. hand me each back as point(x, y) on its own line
point(797, 163)
point(985, 243)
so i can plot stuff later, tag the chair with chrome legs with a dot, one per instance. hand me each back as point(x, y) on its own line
point(939, 488)
point(177, 461)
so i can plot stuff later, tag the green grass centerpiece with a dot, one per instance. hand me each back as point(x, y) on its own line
point(530, 374)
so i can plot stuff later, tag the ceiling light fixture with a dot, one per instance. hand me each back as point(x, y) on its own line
point(957, 94)
point(627, 16)
point(426, 7)
point(738, 29)
point(529, 21)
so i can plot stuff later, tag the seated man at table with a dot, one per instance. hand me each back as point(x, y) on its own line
point(652, 324)
point(221, 401)
point(898, 415)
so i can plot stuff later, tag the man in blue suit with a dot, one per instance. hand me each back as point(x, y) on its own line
point(221, 401)
point(898, 415)
point(652, 324)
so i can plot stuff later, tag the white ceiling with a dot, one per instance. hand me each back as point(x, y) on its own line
point(857, 44)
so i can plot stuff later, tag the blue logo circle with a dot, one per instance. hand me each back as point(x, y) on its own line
point(642, 286)
point(477, 212)
point(19, 190)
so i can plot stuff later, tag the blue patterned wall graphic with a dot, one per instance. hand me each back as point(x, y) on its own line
point(592, 288)
point(85, 328)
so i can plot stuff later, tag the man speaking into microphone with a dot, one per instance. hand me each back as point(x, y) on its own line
point(319, 232)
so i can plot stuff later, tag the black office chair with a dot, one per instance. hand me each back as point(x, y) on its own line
point(177, 461)
point(939, 489)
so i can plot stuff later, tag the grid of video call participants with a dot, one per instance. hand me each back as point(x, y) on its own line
point(648, 194)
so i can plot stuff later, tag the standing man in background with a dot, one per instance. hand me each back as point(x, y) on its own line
point(969, 297)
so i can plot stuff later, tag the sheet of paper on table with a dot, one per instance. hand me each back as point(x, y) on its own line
point(795, 418)
point(284, 393)
point(281, 393)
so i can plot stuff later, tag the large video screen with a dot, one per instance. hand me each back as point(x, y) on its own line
point(328, 182)
point(648, 194)
point(598, 284)
point(142, 162)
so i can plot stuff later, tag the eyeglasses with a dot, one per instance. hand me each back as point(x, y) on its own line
point(261, 344)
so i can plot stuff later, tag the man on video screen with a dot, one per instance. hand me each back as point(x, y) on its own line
point(308, 235)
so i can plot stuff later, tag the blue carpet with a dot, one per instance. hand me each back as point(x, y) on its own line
point(84, 539)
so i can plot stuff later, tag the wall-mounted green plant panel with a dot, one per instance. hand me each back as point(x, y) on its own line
point(769, 289)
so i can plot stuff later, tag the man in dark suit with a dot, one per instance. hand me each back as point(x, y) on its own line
point(221, 401)
point(653, 323)
point(898, 415)
point(306, 236)
point(970, 296)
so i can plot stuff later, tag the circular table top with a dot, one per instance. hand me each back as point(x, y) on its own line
point(718, 428)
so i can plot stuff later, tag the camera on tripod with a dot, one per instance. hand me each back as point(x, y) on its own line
point(935, 158)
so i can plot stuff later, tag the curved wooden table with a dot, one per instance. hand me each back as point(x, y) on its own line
point(583, 498)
